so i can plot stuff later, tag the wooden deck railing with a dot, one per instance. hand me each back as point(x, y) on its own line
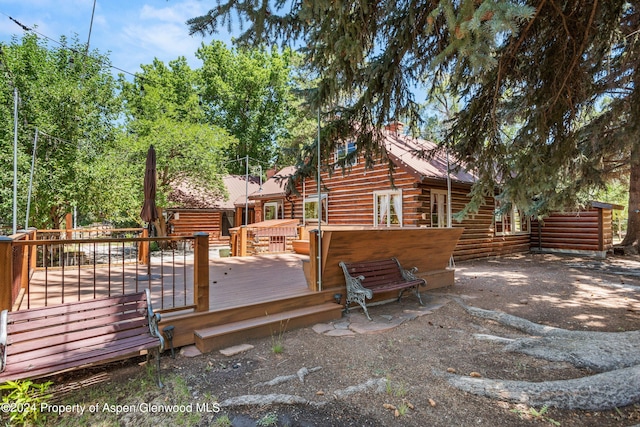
point(37, 271)
point(249, 241)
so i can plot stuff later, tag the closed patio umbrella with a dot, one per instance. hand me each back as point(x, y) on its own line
point(149, 212)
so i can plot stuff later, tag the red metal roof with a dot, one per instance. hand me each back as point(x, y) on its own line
point(423, 159)
point(188, 196)
point(274, 186)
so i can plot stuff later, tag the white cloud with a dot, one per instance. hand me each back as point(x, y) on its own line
point(174, 12)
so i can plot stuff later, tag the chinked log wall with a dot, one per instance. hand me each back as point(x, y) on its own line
point(478, 239)
point(351, 203)
point(351, 195)
point(574, 231)
point(190, 222)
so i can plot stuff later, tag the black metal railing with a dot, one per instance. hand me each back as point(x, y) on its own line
point(63, 270)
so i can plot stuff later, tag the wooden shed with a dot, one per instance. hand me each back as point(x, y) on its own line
point(585, 232)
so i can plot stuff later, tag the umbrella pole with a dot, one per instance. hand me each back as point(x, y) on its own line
point(149, 251)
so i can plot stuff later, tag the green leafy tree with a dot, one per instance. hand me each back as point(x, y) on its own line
point(562, 75)
point(249, 92)
point(164, 110)
point(68, 94)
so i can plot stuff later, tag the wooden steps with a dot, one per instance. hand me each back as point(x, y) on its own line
point(228, 334)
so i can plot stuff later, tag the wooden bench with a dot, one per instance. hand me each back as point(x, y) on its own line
point(42, 341)
point(366, 278)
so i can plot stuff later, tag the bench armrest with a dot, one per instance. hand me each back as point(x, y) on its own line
point(3, 339)
point(354, 284)
point(154, 320)
point(409, 275)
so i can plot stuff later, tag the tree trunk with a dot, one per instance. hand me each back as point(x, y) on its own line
point(633, 222)
point(161, 229)
point(55, 217)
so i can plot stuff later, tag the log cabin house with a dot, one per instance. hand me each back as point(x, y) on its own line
point(418, 197)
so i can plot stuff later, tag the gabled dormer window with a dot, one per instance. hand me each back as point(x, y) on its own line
point(342, 150)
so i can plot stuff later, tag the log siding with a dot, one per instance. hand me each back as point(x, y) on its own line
point(350, 202)
point(192, 221)
point(585, 231)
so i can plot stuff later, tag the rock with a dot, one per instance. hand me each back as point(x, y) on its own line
point(190, 351)
point(236, 349)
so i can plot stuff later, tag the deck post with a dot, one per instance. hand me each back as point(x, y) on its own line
point(144, 253)
point(201, 271)
point(6, 272)
point(33, 250)
point(313, 258)
point(26, 250)
point(243, 240)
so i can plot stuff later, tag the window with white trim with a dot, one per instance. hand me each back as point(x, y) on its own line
point(342, 150)
point(311, 208)
point(512, 221)
point(271, 211)
point(387, 208)
point(439, 202)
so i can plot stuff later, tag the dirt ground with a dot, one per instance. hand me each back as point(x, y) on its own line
point(395, 377)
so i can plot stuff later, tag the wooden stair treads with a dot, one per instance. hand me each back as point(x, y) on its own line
point(215, 337)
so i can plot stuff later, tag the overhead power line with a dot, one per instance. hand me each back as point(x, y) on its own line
point(86, 54)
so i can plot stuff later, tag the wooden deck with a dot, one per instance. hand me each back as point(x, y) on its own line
point(246, 295)
point(239, 281)
point(233, 282)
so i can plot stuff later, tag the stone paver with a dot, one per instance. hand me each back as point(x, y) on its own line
point(236, 349)
point(356, 322)
point(340, 333)
point(321, 328)
point(190, 351)
point(375, 327)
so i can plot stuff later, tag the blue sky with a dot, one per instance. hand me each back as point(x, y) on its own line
point(132, 32)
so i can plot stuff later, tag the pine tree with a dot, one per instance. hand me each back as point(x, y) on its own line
point(560, 75)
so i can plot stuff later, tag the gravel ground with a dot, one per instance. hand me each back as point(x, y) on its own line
point(390, 374)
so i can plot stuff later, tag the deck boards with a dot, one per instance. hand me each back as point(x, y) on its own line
point(234, 281)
